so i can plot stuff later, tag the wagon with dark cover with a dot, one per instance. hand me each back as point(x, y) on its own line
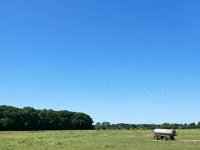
point(164, 134)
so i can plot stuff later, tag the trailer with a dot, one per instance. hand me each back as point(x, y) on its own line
point(164, 134)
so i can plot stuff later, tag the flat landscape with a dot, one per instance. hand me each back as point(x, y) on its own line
point(96, 140)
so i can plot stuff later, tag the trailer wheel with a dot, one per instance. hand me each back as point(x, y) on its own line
point(172, 138)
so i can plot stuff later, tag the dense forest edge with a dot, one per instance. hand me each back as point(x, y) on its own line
point(124, 126)
point(28, 118)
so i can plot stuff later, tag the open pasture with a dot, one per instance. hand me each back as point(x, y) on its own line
point(96, 140)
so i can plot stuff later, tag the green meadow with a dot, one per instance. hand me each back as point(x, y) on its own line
point(96, 140)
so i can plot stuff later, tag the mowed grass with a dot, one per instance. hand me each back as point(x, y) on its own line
point(96, 140)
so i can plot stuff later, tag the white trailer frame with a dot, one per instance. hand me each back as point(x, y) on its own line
point(164, 135)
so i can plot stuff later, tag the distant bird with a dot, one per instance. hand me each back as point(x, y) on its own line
point(107, 85)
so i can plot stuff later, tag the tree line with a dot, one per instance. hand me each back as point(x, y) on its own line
point(28, 118)
point(119, 126)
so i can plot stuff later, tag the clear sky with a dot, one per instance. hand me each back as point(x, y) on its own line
point(131, 61)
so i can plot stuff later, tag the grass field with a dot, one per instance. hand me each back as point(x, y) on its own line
point(97, 140)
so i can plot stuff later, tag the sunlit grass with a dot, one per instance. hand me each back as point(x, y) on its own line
point(96, 140)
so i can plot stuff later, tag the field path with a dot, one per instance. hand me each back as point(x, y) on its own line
point(188, 140)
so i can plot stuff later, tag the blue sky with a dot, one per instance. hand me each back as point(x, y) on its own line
point(132, 61)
